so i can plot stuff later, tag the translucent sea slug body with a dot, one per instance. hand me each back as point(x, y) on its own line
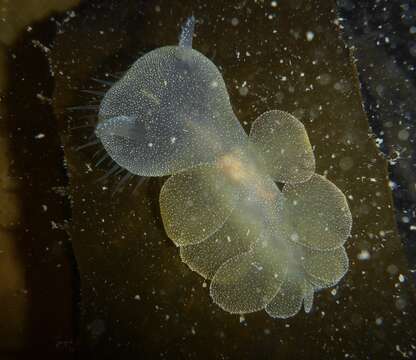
point(262, 247)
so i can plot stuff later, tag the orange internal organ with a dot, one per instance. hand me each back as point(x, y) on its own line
point(245, 174)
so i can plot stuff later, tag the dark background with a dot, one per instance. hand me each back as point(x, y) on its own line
point(54, 328)
point(382, 35)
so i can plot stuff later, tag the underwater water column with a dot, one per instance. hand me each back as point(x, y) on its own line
point(137, 294)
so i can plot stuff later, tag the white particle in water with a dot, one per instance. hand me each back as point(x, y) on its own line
point(243, 91)
point(392, 269)
point(310, 35)
point(346, 163)
point(403, 135)
point(364, 255)
point(392, 185)
point(400, 303)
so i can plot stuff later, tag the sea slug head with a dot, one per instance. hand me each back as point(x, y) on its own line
point(170, 111)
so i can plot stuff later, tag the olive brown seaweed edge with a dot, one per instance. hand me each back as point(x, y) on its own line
point(261, 245)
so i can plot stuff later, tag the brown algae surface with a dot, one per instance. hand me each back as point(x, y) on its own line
point(137, 294)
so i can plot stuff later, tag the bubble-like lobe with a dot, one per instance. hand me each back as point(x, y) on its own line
point(323, 219)
point(283, 270)
point(247, 282)
point(284, 145)
point(308, 271)
point(325, 268)
point(171, 110)
point(315, 223)
point(233, 238)
point(195, 203)
point(289, 298)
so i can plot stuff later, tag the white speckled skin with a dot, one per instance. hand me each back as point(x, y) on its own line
point(262, 247)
